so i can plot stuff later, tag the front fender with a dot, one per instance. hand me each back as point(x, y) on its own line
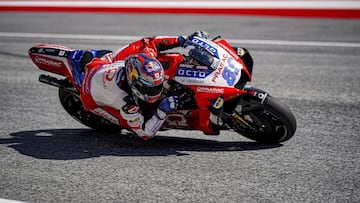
point(257, 94)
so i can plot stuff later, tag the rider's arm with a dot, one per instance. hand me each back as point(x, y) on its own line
point(144, 130)
point(160, 43)
point(156, 44)
point(150, 45)
point(148, 129)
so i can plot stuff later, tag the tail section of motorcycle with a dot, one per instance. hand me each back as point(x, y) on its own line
point(51, 58)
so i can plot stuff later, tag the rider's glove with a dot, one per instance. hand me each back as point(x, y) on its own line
point(168, 104)
point(199, 33)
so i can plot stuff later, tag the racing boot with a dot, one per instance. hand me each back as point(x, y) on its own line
point(79, 59)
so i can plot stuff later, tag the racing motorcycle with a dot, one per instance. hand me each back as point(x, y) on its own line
point(211, 79)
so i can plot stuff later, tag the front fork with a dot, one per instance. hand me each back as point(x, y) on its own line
point(243, 113)
point(239, 110)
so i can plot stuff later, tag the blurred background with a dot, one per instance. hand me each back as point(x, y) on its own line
point(306, 53)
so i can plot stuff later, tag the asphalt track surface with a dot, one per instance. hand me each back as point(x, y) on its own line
point(46, 156)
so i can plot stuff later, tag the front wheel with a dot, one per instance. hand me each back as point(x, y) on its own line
point(269, 121)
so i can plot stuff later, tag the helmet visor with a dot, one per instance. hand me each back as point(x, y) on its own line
point(150, 91)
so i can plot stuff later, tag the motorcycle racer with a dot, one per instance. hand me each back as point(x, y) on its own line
point(114, 85)
point(203, 89)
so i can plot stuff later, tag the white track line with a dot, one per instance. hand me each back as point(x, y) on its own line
point(9, 201)
point(125, 38)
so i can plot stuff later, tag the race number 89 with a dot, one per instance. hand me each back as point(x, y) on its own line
point(230, 72)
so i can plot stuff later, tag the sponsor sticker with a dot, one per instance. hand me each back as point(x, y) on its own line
point(210, 89)
point(192, 72)
point(47, 61)
point(220, 67)
point(212, 49)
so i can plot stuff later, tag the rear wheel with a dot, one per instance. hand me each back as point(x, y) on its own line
point(73, 106)
point(267, 122)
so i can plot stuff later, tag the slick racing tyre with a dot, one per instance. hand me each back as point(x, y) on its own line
point(72, 104)
point(268, 122)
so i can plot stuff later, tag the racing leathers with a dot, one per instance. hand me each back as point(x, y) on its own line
point(105, 90)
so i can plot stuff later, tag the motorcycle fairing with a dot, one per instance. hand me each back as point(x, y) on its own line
point(52, 58)
point(208, 85)
point(227, 73)
point(226, 46)
point(208, 45)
